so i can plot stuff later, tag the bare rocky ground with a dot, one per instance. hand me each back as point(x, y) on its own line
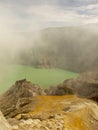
point(58, 113)
point(28, 107)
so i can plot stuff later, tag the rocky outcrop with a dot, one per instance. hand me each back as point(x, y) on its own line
point(85, 86)
point(3, 123)
point(17, 98)
point(26, 106)
point(61, 89)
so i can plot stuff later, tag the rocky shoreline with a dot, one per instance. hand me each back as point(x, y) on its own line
point(71, 105)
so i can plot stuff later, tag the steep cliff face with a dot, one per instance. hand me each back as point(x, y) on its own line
point(3, 123)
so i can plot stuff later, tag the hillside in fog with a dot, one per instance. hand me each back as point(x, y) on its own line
point(70, 48)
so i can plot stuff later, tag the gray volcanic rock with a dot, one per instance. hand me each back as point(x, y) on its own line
point(61, 89)
point(3, 123)
point(85, 86)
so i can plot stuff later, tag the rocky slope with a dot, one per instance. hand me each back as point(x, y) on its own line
point(69, 48)
point(58, 113)
point(18, 96)
point(27, 106)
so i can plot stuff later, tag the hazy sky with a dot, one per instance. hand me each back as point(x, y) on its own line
point(26, 15)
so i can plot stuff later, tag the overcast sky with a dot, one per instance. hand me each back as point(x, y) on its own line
point(26, 15)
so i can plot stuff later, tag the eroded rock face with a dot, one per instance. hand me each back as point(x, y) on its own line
point(85, 86)
point(61, 89)
point(3, 123)
point(17, 98)
point(23, 89)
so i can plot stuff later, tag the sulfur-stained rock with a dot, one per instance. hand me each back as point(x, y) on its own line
point(25, 111)
point(61, 113)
